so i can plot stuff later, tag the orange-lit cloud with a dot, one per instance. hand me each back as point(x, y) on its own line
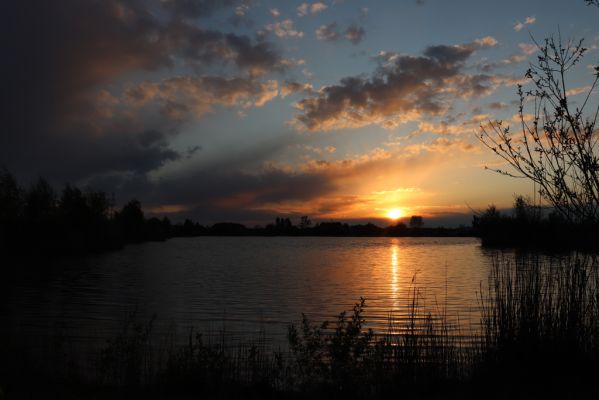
point(518, 26)
point(404, 88)
point(313, 8)
point(182, 97)
point(284, 29)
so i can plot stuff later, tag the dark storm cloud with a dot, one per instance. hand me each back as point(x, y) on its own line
point(450, 55)
point(233, 188)
point(221, 189)
point(403, 88)
point(195, 8)
point(214, 46)
point(62, 64)
point(77, 157)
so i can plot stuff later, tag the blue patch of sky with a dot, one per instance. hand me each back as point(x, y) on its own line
point(395, 26)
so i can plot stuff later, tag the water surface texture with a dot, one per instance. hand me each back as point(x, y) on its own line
point(244, 286)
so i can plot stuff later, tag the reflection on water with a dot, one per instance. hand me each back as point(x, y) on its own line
point(394, 267)
point(244, 285)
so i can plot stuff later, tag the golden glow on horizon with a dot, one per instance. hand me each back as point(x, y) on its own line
point(394, 213)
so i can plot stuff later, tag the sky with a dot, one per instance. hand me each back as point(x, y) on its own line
point(247, 110)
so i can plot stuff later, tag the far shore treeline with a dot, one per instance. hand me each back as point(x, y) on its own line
point(42, 219)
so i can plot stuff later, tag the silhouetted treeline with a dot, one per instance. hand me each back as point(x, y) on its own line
point(39, 220)
point(284, 227)
point(530, 226)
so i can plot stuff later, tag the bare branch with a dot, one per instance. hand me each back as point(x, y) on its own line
point(557, 150)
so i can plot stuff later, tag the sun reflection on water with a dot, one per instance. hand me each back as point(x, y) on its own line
point(395, 273)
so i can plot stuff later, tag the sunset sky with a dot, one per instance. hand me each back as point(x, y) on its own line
point(247, 110)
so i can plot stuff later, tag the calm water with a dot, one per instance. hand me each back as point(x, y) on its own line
point(243, 287)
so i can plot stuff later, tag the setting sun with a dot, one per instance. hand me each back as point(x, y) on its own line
point(394, 213)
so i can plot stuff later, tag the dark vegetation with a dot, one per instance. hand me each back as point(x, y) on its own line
point(530, 226)
point(557, 149)
point(538, 337)
point(554, 147)
point(41, 220)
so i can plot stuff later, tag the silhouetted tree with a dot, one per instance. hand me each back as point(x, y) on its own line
point(72, 207)
point(283, 226)
point(167, 227)
point(525, 212)
point(40, 203)
point(98, 205)
point(11, 209)
point(283, 223)
point(11, 201)
point(557, 149)
point(132, 220)
point(188, 227)
point(305, 222)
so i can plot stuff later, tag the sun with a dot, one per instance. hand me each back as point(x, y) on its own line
point(394, 213)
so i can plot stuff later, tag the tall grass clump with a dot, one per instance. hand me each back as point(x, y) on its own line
point(207, 367)
point(348, 358)
point(540, 319)
point(128, 358)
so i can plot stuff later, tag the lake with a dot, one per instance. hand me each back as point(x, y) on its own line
point(242, 287)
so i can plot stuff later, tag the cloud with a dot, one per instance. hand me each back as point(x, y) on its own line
point(330, 32)
point(274, 12)
point(284, 29)
point(292, 87)
point(303, 9)
point(443, 145)
point(579, 90)
point(327, 32)
point(526, 50)
point(208, 46)
point(451, 126)
point(224, 191)
point(354, 34)
point(194, 9)
point(232, 189)
point(67, 118)
point(442, 128)
point(241, 10)
point(518, 26)
point(487, 41)
point(498, 105)
point(402, 89)
point(314, 8)
point(181, 98)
